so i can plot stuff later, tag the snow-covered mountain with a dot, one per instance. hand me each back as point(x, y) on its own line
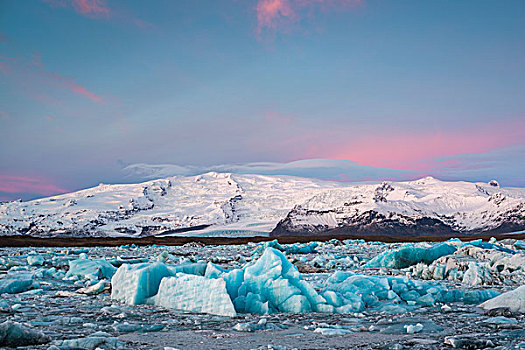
point(233, 205)
point(426, 206)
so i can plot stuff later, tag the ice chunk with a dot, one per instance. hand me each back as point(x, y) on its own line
point(332, 331)
point(163, 257)
point(410, 255)
point(97, 288)
point(477, 274)
point(214, 271)
point(15, 284)
point(133, 284)
point(466, 296)
point(129, 327)
point(295, 248)
point(14, 334)
point(486, 245)
point(93, 269)
point(278, 283)
point(198, 268)
point(513, 300)
point(35, 260)
point(410, 328)
point(500, 320)
point(309, 248)
point(195, 294)
point(271, 244)
point(254, 326)
point(94, 341)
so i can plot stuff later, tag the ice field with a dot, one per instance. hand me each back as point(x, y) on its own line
point(333, 295)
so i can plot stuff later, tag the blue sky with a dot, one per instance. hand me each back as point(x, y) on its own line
point(398, 88)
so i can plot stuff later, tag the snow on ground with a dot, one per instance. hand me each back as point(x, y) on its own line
point(334, 295)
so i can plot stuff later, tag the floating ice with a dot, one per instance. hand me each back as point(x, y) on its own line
point(477, 275)
point(410, 328)
point(133, 284)
point(332, 331)
point(254, 326)
point(500, 320)
point(94, 341)
point(273, 284)
point(14, 334)
point(309, 248)
point(513, 300)
point(472, 265)
point(195, 294)
point(128, 327)
point(198, 268)
point(97, 288)
point(487, 245)
point(15, 284)
point(93, 269)
point(295, 248)
point(349, 292)
point(35, 260)
point(410, 255)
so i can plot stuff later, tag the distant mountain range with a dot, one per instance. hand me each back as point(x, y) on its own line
point(225, 204)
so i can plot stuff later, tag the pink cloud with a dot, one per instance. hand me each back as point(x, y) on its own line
point(269, 11)
point(415, 150)
point(71, 85)
point(88, 8)
point(274, 14)
point(32, 73)
point(24, 184)
point(37, 60)
point(98, 9)
point(4, 115)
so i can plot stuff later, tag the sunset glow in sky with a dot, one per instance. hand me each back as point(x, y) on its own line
point(399, 89)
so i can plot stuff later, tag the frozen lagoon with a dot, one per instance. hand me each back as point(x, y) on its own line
point(64, 293)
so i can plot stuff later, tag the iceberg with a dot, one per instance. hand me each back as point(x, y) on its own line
point(97, 288)
point(279, 285)
point(92, 269)
point(195, 294)
point(92, 342)
point(513, 300)
point(13, 334)
point(35, 260)
point(349, 292)
point(295, 248)
point(133, 284)
point(273, 284)
point(15, 284)
point(410, 255)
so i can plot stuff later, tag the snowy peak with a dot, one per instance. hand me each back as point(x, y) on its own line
point(232, 204)
point(423, 206)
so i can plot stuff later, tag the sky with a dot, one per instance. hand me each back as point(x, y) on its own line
point(113, 91)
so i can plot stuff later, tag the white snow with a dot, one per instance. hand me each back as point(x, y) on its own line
point(215, 204)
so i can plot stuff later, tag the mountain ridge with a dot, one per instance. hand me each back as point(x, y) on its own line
point(227, 204)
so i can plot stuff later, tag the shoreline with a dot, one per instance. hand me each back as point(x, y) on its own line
point(29, 241)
